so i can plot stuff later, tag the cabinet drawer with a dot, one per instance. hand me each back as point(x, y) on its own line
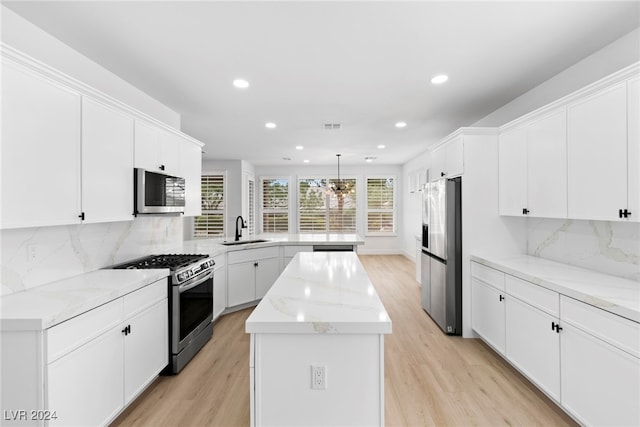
point(488, 275)
point(63, 338)
point(616, 330)
point(145, 297)
point(537, 296)
point(253, 254)
point(290, 251)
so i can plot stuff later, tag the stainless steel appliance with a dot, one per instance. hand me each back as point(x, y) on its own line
point(190, 303)
point(156, 193)
point(441, 259)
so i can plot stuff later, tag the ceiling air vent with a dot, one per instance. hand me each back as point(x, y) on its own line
point(331, 126)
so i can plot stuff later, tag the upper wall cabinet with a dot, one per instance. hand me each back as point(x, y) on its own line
point(107, 163)
point(533, 168)
point(191, 171)
point(597, 155)
point(156, 150)
point(447, 161)
point(40, 150)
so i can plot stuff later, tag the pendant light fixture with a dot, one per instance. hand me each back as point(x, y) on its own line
point(339, 187)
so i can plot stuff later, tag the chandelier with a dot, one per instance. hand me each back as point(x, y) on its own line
point(339, 187)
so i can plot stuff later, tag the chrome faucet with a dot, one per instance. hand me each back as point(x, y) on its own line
point(239, 230)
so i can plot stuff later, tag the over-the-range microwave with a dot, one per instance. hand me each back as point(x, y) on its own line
point(157, 193)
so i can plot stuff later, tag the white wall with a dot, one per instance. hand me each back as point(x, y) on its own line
point(412, 205)
point(20, 34)
point(373, 244)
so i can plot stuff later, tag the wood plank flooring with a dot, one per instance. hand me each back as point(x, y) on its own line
point(430, 379)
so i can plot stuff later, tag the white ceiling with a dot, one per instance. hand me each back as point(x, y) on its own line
point(362, 64)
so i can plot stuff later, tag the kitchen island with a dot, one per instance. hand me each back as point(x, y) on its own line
point(317, 345)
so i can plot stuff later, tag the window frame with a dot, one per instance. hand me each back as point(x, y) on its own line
point(261, 209)
point(394, 210)
point(328, 178)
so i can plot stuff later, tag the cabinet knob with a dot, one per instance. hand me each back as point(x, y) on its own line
point(623, 213)
point(255, 264)
point(161, 167)
point(442, 173)
point(525, 211)
point(501, 297)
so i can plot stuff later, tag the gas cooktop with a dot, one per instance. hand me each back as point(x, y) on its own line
point(171, 261)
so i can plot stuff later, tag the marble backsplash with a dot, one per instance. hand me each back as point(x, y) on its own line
point(608, 247)
point(31, 257)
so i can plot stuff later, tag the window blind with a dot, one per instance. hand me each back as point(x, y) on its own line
point(275, 205)
point(312, 204)
point(380, 205)
point(211, 222)
point(342, 210)
point(252, 216)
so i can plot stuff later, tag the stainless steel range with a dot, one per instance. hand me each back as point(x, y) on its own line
point(190, 303)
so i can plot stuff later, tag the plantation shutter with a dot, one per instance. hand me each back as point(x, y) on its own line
point(380, 205)
point(275, 205)
point(251, 221)
point(211, 222)
point(342, 210)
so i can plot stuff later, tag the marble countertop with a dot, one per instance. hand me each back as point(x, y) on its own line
point(321, 292)
point(214, 247)
point(45, 306)
point(614, 294)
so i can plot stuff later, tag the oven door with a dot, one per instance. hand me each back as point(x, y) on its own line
point(192, 310)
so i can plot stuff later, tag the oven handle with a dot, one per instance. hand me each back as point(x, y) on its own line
point(189, 285)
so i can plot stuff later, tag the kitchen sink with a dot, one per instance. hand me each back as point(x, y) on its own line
point(243, 242)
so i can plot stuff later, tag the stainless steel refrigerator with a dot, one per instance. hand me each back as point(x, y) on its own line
point(441, 260)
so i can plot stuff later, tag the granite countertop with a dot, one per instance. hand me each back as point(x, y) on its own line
point(45, 306)
point(613, 294)
point(214, 247)
point(321, 292)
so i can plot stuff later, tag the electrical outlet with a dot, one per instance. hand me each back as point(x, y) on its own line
point(32, 253)
point(318, 377)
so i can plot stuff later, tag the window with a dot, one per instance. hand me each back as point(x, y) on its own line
point(321, 211)
point(211, 222)
point(275, 205)
point(251, 185)
point(381, 207)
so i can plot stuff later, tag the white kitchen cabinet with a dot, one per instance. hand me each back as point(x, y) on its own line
point(488, 306)
point(107, 163)
point(597, 155)
point(547, 166)
point(191, 171)
point(533, 333)
point(85, 386)
point(156, 149)
point(633, 150)
point(219, 285)
point(288, 252)
point(250, 274)
point(447, 161)
point(40, 173)
point(512, 172)
point(600, 365)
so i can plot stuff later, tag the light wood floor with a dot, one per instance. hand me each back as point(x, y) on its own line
point(430, 379)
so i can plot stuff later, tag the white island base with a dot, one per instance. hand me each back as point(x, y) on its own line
point(322, 314)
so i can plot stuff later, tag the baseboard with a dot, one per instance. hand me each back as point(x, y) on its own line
point(363, 251)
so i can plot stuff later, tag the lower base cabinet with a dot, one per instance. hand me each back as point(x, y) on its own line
point(92, 365)
point(250, 274)
point(488, 313)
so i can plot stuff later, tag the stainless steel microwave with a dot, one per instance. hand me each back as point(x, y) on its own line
point(157, 193)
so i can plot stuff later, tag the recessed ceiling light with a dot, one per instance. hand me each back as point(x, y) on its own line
point(286, 158)
point(439, 79)
point(381, 146)
point(369, 159)
point(241, 83)
point(401, 124)
point(270, 125)
point(299, 147)
point(306, 161)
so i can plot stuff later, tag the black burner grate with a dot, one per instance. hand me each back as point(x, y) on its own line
point(172, 261)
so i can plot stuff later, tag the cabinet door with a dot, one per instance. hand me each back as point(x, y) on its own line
point(267, 272)
point(145, 348)
point(40, 172)
point(454, 157)
point(191, 171)
point(219, 291)
point(600, 383)
point(547, 166)
point(634, 149)
point(512, 172)
point(597, 155)
point(532, 345)
point(438, 164)
point(107, 163)
point(146, 146)
point(85, 386)
point(488, 313)
point(241, 283)
point(169, 153)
